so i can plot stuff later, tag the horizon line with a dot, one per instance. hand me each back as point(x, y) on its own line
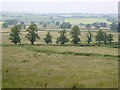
point(55, 12)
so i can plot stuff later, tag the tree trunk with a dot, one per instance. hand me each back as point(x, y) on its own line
point(104, 42)
point(88, 42)
point(32, 43)
point(99, 42)
point(15, 42)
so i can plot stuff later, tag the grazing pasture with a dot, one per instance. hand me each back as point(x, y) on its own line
point(29, 68)
point(47, 66)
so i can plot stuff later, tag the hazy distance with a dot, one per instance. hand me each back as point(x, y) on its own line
point(61, 7)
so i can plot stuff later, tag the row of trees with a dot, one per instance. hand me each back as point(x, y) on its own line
point(61, 25)
point(9, 22)
point(96, 25)
point(67, 25)
point(32, 35)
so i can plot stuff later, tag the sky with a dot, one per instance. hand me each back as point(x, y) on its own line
point(61, 6)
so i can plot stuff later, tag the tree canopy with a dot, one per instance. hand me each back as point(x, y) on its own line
point(89, 36)
point(75, 32)
point(48, 38)
point(32, 33)
point(62, 39)
point(15, 34)
point(65, 25)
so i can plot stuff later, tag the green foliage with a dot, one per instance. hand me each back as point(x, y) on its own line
point(100, 36)
point(75, 32)
point(96, 25)
point(11, 22)
point(32, 33)
point(57, 23)
point(88, 26)
point(15, 34)
point(4, 25)
point(114, 26)
point(119, 27)
point(110, 37)
point(107, 37)
point(74, 86)
point(103, 36)
point(62, 39)
point(103, 24)
point(89, 36)
point(32, 22)
point(48, 38)
point(22, 24)
point(44, 26)
point(65, 25)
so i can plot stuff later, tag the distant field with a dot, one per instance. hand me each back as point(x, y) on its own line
point(85, 20)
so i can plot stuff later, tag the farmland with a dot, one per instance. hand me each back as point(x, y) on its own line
point(54, 70)
point(57, 65)
point(77, 21)
point(49, 66)
point(70, 44)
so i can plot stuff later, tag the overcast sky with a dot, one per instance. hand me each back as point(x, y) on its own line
point(61, 6)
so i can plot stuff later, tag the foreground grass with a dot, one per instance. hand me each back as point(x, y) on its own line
point(23, 67)
point(97, 50)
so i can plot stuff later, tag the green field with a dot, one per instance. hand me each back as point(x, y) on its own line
point(24, 67)
point(77, 21)
point(50, 66)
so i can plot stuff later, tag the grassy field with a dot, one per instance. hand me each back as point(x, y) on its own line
point(58, 66)
point(85, 20)
point(27, 68)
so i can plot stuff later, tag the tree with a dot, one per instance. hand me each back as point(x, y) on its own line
point(105, 37)
point(65, 25)
point(32, 33)
point(88, 26)
point(114, 26)
point(110, 37)
point(23, 24)
point(103, 24)
point(15, 34)
point(89, 36)
point(48, 38)
point(57, 23)
point(32, 22)
point(96, 25)
point(75, 32)
point(118, 26)
point(11, 21)
point(4, 25)
point(41, 22)
point(68, 25)
point(100, 36)
point(53, 22)
point(44, 26)
point(62, 39)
